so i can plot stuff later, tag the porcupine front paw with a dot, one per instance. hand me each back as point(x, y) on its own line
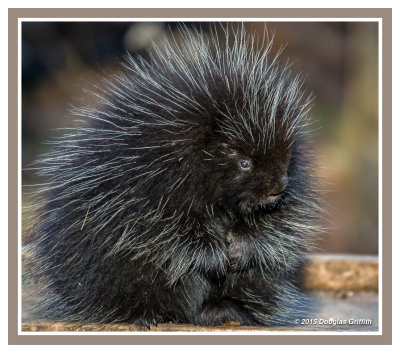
point(146, 322)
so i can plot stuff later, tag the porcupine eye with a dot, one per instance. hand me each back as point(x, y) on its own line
point(245, 165)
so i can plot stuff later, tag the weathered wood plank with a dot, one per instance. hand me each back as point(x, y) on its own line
point(171, 327)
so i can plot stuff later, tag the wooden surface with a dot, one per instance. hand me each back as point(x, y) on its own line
point(338, 289)
point(170, 327)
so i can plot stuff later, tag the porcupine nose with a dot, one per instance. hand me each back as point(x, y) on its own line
point(278, 189)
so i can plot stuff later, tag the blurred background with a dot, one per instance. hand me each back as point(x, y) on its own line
point(60, 60)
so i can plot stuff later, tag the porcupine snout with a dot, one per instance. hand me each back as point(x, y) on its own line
point(273, 194)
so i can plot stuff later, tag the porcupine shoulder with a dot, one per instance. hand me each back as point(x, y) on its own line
point(186, 195)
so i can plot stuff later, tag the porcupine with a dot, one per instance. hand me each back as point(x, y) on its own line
point(187, 194)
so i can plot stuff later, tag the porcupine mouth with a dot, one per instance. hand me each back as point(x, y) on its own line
point(265, 204)
point(271, 199)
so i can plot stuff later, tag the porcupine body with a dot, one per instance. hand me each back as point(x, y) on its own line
point(186, 195)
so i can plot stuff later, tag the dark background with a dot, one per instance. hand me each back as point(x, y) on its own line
point(60, 60)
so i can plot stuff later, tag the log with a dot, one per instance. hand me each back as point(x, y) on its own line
point(341, 273)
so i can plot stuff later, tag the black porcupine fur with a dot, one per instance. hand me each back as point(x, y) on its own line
point(186, 195)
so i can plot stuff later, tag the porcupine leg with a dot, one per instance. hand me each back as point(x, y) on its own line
point(245, 298)
point(247, 294)
point(256, 294)
point(259, 295)
point(219, 307)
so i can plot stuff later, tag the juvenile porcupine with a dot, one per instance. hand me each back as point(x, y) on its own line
point(187, 194)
